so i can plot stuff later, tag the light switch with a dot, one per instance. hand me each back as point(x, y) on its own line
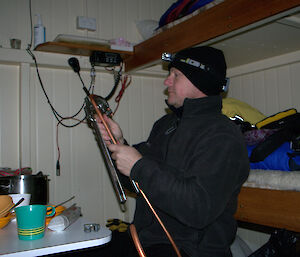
point(86, 23)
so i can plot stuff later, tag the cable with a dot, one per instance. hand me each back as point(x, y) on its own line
point(117, 78)
point(125, 84)
point(58, 117)
point(10, 172)
point(55, 113)
point(31, 25)
point(57, 144)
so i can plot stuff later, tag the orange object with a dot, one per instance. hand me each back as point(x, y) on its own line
point(6, 203)
point(5, 220)
point(58, 210)
point(135, 235)
point(136, 241)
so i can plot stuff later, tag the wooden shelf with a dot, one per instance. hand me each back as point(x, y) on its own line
point(78, 49)
point(220, 20)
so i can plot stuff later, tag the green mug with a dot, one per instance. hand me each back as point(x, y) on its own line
point(31, 220)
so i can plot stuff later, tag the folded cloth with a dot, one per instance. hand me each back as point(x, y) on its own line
point(232, 107)
point(256, 136)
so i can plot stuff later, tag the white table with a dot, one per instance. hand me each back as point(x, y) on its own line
point(72, 238)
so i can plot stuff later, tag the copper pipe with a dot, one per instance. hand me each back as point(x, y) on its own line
point(160, 222)
point(136, 241)
point(102, 119)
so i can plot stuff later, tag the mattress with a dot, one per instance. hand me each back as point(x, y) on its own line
point(274, 179)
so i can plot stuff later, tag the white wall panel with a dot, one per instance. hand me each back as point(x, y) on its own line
point(9, 116)
point(295, 82)
point(269, 90)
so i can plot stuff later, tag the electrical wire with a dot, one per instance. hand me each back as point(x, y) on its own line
point(117, 77)
point(56, 114)
point(57, 143)
point(31, 32)
point(125, 84)
point(14, 172)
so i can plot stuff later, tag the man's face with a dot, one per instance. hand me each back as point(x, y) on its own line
point(179, 88)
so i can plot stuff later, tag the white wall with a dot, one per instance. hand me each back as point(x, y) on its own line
point(28, 128)
point(9, 115)
point(271, 85)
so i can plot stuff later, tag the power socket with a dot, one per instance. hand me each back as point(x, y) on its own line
point(86, 23)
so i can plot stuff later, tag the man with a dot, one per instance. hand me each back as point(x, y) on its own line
point(193, 164)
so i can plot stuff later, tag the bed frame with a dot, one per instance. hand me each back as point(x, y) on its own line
point(267, 207)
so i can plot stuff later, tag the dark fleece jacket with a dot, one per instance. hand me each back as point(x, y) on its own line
point(193, 166)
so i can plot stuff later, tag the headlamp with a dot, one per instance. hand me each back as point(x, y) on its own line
point(167, 57)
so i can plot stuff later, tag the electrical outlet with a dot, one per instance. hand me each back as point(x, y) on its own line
point(86, 23)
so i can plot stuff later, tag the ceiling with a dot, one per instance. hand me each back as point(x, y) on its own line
point(276, 38)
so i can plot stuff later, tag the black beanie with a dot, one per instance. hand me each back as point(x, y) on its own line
point(204, 66)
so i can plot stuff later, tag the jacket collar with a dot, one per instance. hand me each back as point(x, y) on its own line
point(204, 105)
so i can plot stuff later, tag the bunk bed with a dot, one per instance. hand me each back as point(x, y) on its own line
point(267, 204)
point(258, 204)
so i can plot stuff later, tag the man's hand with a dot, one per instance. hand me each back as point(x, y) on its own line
point(125, 157)
point(114, 128)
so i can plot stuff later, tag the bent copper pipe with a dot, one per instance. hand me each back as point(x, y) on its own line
point(160, 222)
point(136, 241)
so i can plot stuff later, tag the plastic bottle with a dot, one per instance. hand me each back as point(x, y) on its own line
point(39, 32)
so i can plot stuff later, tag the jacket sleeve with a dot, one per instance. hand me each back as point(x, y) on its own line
point(199, 194)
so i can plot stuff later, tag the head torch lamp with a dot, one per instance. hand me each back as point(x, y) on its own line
point(167, 57)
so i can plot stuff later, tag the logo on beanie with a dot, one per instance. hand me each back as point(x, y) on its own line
point(195, 63)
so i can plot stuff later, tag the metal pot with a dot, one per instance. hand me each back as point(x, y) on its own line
point(36, 185)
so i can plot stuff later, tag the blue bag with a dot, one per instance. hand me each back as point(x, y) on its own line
point(283, 158)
